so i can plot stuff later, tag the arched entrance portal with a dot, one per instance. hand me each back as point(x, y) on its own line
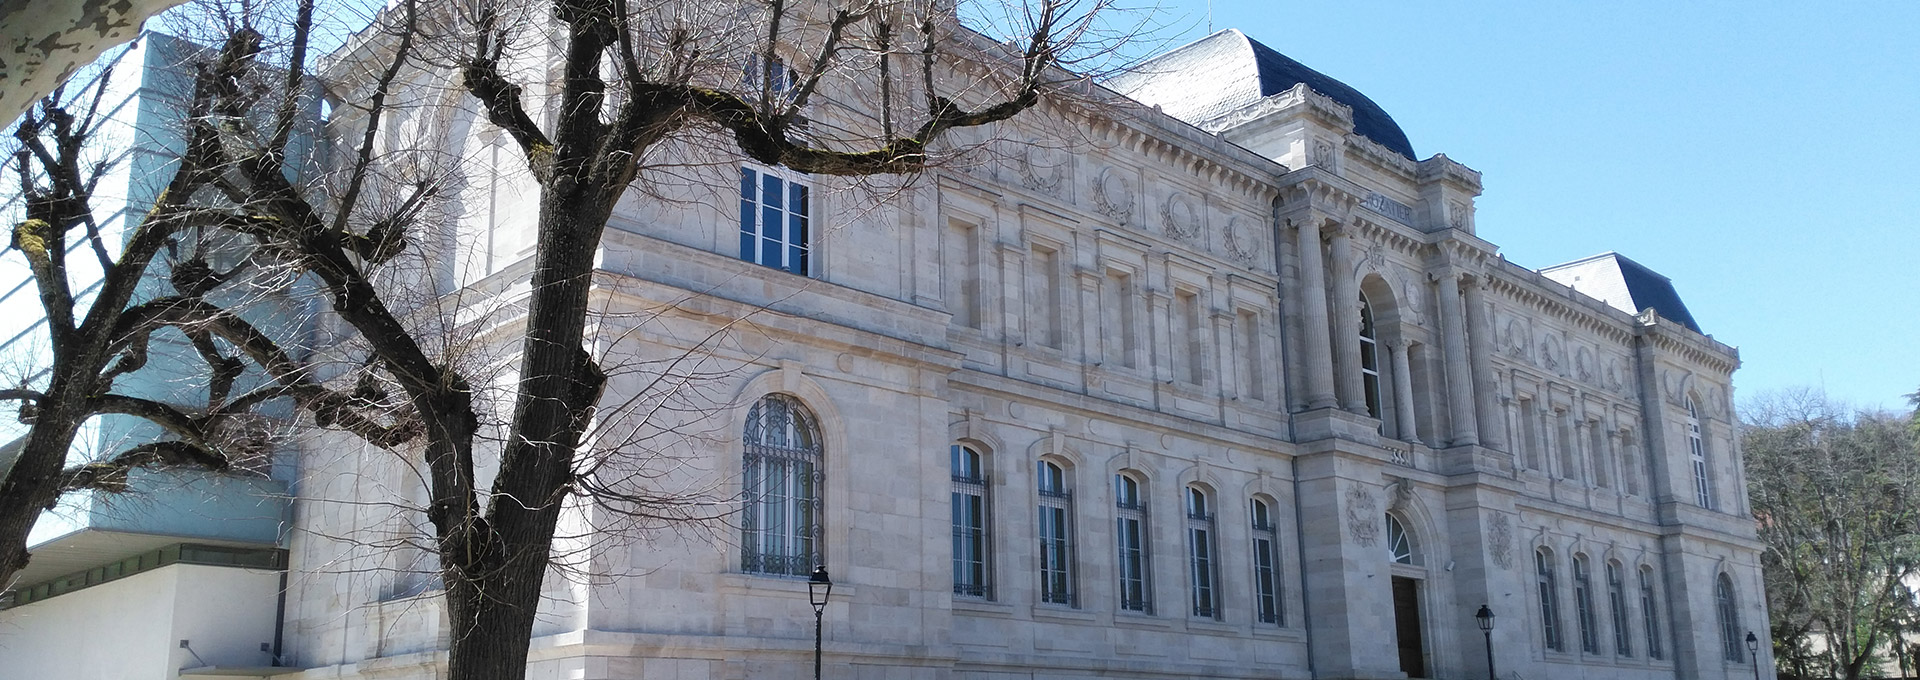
point(1407, 624)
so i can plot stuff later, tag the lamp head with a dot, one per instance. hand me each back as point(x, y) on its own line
point(1753, 643)
point(1484, 617)
point(819, 587)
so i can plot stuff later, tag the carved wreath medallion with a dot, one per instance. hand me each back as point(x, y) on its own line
point(1042, 168)
point(1363, 516)
point(1113, 194)
point(1241, 242)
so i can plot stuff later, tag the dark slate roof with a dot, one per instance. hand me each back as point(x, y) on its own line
point(1650, 289)
point(1626, 285)
point(1228, 70)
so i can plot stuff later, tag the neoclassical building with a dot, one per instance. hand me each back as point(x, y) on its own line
point(1230, 386)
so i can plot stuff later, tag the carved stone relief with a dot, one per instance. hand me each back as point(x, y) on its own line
point(1500, 540)
point(1399, 494)
point(1516, 341)
point(1178, 217)
point(1242, 243)
point(1459, 215)
point(1043, 168)
point(1323, 154)
point(1113, 194)
point(1550, 356)
point(1413, 297)
point(1583, 367)
point(1363, 515)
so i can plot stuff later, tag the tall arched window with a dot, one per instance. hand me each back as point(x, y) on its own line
point(1130, 535)
point(1549, 587)
point(1730, 640)
point(1617, 605)
point(781, 528)
point(1400, 545)
point(1266, 563)
point(1056, 534)
point(1583, 604)
point(971, 566)
point(1200, 554)
point(1650, 614)
point(1369, 358)
point(1697, 449)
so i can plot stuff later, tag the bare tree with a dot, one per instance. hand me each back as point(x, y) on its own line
point(593, 94)
point(1836, 494)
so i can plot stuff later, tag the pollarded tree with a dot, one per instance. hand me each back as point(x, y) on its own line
point(1836, 495)
point(591, 92)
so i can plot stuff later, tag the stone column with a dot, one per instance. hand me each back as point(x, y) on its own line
point(1313, 298)
point(1480, 357)
point(1403, 393)
point(1346, 325)
point(1453, 339)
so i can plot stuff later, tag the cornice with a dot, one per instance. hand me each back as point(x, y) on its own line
point(1528, 287)
point(1333, 113)
point(1671, 336)
point(1315, 189)
point(1383, 157)
point(1440, 167)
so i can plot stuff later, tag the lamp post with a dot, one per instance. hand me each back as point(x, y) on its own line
point(1485, 618)
point(1753, 647)
point(818, 588)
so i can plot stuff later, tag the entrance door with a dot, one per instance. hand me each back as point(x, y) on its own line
point(1406, 626)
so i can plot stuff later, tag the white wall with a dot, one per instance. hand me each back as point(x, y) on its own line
point(130, 629)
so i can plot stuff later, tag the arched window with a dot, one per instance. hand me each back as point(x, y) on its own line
point(971, 544)
point(781, 528)
point(1266, 563)
point(1583, 604)
point(1056, 535)
point(1549, 587)
point(1200, 554)
point(1617, 605)
point(1400, 546)
point(1369, 358)
point(1130, 535)
point(1702, 487)
point(1730, 640)
point(1650, 613)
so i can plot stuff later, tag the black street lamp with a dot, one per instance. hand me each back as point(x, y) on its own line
point(1485, 619)
point(1753, 647)
point(819, 587)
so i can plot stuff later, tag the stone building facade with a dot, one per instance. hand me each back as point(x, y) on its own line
point(1229, 387)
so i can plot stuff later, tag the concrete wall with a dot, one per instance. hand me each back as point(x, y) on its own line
point(131, 628)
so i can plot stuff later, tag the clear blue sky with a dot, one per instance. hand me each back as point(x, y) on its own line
point(1760, 154)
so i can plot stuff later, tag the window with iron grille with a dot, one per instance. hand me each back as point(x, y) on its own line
point(1697, 449)
point(1200, 554)
point(1266, 564)
point(1649, 613)
point(780, 528)
point(1130, 529)
point(1056, 535)
point(1617, 602)
point(1730, 640)
point(774, 220)
point(1583, 605)
point(971, 575)
point(1549, 598)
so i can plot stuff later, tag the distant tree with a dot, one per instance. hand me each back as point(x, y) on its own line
point(1836, 493)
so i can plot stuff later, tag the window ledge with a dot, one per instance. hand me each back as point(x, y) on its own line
point(1061, 613)
point(980, 607)
point(1138, 620)
point(1213, 627)
point(738, 583)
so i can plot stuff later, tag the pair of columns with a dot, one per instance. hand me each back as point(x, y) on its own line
point(1471, 406)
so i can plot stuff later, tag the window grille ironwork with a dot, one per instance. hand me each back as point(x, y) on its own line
point(781, 532)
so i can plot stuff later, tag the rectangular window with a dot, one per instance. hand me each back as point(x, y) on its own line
point(773, 221)
point(1119, 336)
point(970, 546)
point(1529, 432)
point(1266, 564)
point(1252, 380)
point(1043, 293)
point(1130, 536)
point(1697, 449)
point(1602, 458)
point(1186, 310)
point(1617, 602)
point(963, 273)
point(1056, 536)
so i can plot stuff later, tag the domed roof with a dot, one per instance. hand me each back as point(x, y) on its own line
point(1228, 70)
